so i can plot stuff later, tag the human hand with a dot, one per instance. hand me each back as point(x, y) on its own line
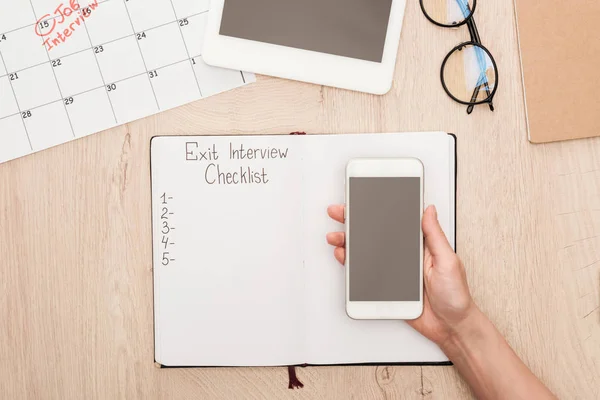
point(452, 320)
point(447, 303)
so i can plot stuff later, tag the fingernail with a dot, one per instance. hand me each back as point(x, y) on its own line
point(434, 210)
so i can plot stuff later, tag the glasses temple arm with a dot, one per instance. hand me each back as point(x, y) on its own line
point(473, 99)
point(474, 33)
point(490, 98)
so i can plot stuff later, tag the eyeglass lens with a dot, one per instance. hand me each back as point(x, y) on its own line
point(447, 12)
point(469, 74)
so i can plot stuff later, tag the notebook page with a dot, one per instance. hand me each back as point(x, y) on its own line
point(332, 337)
point(228, 279)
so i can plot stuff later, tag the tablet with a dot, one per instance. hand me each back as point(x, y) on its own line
point(350, 44)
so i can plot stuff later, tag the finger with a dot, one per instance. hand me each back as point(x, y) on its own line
point(340, 255)
point(427, 263)
point(337, 239)
point(337, 213)
point(435, 239)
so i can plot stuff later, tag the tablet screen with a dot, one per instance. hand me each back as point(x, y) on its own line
point(349, 28)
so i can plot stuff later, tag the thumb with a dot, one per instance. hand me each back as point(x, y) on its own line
point(435, 239)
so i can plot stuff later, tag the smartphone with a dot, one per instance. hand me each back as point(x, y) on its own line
point(384, 238)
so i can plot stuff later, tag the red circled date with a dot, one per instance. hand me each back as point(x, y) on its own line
point(61, 13)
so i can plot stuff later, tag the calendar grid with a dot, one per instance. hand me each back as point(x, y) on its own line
point(44, 20)
point(18, 106)
point(112, 107)
point(40, 106)
point(55, 78)
point(103, 43)
point(110, 41)
point(24, 69)
point(141, 54)
point(185, 45)
point(100, 87)
point(98, 76)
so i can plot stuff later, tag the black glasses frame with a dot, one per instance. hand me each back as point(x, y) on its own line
point(475, 41)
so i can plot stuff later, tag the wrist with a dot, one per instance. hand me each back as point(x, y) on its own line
point(466, 333)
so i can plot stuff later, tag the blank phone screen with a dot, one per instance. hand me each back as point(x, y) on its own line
point(385, 238)
point(349, 28)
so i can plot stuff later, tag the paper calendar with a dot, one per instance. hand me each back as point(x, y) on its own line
point(70, 68)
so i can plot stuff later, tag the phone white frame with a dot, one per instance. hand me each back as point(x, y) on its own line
point(390, 167)
point(304, 65)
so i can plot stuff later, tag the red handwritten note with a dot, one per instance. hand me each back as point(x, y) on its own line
point(65, 20)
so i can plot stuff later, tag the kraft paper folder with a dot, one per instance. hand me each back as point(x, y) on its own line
point(560, 55)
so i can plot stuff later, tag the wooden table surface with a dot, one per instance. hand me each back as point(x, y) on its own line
point(75, 239)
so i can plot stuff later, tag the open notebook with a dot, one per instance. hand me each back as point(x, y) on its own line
point(243, 275)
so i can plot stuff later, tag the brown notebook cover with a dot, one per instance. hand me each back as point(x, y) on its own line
point(560, 56)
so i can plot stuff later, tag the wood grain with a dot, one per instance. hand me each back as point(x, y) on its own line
point(75, 243)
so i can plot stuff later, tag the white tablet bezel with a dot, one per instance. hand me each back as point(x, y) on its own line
point(304, 65)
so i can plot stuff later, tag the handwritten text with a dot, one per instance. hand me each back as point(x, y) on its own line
point(216, 173)
point(59, 26)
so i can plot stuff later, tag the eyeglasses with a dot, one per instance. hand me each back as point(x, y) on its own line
point(469, 74)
